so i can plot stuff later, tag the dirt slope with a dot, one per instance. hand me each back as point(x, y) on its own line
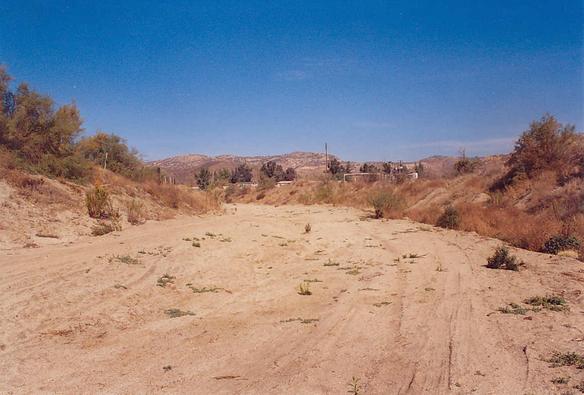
point(78, 320)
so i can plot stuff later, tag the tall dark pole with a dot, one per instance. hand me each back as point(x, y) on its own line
point(326, 156)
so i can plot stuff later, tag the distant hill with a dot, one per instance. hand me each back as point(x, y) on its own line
point(183, 167)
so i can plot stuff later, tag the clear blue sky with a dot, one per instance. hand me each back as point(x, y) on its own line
point(378, 80)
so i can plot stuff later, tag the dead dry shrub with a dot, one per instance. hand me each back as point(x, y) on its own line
point(104, 227)
point(385, 202)
point(135, 212)
point(98, 202)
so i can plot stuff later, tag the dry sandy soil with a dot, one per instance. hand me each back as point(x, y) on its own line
point(91, 316)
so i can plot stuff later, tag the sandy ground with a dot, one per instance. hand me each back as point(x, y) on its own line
point(91, 317)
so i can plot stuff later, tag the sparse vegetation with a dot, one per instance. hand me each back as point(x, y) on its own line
point(354, 386)
point(502, 259)
point(177, 313)
point(304, 288)
point(127, 259)
point(196, 244)
point(307, 228)
point(165, 280)
point(561, 380)
point(513, 308)
point(550, 302)
point(567, 359)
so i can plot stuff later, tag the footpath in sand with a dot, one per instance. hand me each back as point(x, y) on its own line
point(210, 305)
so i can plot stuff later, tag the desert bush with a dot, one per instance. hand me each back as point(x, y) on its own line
point(560, 243)
point(135, 212)
point(450, 218)
point(98, 203)
point(384, 201)
point(546, 146)
point(502, 259)
point(307, 228)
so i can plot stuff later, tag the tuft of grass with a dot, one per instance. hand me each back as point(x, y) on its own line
point(380, 304)
point(561, 380)
point(196, 244)
point(353, 272)
point(550, 302)
point(502, 259)
point(127, 259)
point(301, 320)
point(304, 289)
point(354, 386)
point(307, 228)
point(225, 240)
point(135, 212)
point(211, 235)
point(213, 289)
point(513, 308)
point(165, 280)
point(176, 313)
point(104, 227)
point(47, 235)
point(567, 359)
point(314, 280)
point(331, 263)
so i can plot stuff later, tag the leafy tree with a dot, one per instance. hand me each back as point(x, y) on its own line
point(348, 167)
point(290, 174)
point(368, 168)
point(419, 168)
point(387, 167)
point(241, 173)
point(222, 175)
point(271, 169)
point(335, 167)
point(274, 171)
point(546, 145)
point(203, 178)
point(120, 158)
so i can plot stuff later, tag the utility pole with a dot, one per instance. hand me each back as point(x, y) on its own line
point(326, 156)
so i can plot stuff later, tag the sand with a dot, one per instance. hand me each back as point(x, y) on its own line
point(92, 316)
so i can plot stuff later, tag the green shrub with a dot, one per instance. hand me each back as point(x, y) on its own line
point(560, 243)
point(450, 218)
point(502, 259)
